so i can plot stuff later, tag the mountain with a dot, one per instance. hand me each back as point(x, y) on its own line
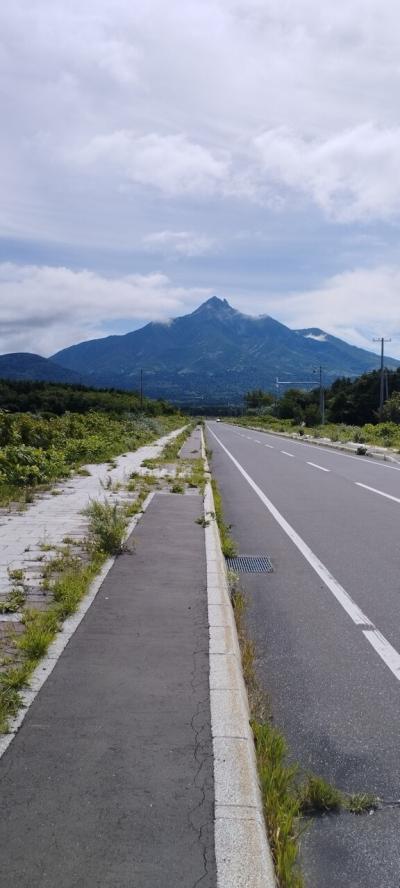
point(24, 365)
point(214, 354)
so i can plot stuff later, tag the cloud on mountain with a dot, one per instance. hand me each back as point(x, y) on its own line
point(56, 307)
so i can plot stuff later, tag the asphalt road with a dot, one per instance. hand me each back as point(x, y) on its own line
point(327, 626)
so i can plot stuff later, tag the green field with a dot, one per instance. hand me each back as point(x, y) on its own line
point(38, 447)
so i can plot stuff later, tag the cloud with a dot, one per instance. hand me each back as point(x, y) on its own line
point(351, 175)
point(43, 309)
point(181, 243)
point(355, 305)
point(171, 163)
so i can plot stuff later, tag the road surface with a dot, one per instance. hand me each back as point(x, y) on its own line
point(327, 627)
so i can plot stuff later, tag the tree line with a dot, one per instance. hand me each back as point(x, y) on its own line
point(55, 399)
point(350, 401)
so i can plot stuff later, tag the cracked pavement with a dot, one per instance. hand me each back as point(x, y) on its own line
point(109, 781)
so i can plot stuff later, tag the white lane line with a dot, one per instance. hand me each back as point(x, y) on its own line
point(381, 493)
point(337, 590)
point(387, 653)
point(330, 451)
point(383, 648)
point(316, 466)
point(270, 446)
point(287, 454)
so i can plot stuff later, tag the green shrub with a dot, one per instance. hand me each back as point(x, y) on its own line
point(107, 524)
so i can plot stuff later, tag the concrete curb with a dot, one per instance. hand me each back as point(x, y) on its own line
point(242, 852)
point(69, 627)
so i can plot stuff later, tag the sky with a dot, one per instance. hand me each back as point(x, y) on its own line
point(155, 154)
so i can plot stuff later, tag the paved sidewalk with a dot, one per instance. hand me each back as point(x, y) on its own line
point(109, 781)
point(58, 513)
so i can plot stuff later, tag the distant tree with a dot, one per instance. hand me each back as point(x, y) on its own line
point(391, 408)
point(258, 398)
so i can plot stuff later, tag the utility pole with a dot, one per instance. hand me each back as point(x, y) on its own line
point(321, 395)
point(382, 341)
point(141, 389)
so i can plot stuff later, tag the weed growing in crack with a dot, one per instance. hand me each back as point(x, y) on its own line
point(107, 525)
point(317, 796)
point(361, 803)
point(228, 544)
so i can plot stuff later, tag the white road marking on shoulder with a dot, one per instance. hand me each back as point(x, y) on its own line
point(316, 466)
point(333, 452)
point(380, 492)
point(387, 653)
point(383, 648)
point(270, 446)
point(286, 453)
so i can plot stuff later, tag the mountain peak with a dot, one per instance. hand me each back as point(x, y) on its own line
point(215, 305)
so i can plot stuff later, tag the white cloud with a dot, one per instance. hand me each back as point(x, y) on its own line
point(225, 98)
point(43, 309)
point(356, 306)
point(351, 175)
point(181, 243)
point(171, 163)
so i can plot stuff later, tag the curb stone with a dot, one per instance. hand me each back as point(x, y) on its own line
point(242, 851)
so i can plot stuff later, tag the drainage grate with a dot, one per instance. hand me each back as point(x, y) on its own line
point(250, 564)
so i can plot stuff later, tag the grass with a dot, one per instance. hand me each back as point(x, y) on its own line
point(40, 629)
point(14, 601)
point(280, 801)
point(361, 803)
point(197, 476)
point(107, 526)
point(170, 452)
point(178, 487)
point(228, 544)
point(36, 451)
point(317, 796)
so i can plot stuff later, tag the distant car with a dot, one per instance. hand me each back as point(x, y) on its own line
point(217, 419)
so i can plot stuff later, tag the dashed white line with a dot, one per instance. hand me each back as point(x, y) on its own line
point(383, 648)
point(316, 466)
point(287, 454)
point(270, 446)
point(380, 492)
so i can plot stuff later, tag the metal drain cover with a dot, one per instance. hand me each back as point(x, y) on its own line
point(250, 564)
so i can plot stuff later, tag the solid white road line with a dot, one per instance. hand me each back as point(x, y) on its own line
point(270, 446)
point(316, 466)
point(380, 644)
point(385, 650)
point(340, 594)
point(286, 453)
point(381, 493)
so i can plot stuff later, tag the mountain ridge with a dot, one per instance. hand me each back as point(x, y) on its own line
point(215, 353)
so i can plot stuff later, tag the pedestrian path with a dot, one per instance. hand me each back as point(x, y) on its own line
point(58, 514)
point(109, 781)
